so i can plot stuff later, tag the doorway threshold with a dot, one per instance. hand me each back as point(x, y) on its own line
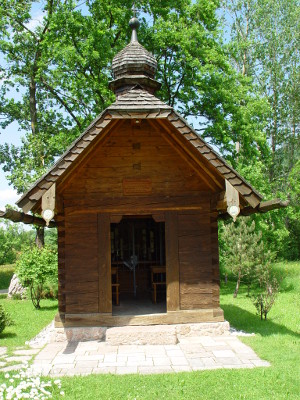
point(132, 306)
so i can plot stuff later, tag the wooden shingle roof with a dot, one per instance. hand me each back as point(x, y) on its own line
point(138, 103)
point(134, 58)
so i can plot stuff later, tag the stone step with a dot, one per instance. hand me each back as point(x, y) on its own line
point(151, 334)
point(141, 335)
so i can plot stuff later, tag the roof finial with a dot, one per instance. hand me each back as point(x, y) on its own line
point(134, 23)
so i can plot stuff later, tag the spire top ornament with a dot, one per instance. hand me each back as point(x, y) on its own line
point(134, 24)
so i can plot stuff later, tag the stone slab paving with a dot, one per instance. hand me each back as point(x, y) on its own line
point(16, 361)
point(191, 354)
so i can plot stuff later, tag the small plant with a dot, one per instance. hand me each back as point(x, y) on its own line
point(35, 268)
point(264, 298)
point(5, 319)
point(23, 385)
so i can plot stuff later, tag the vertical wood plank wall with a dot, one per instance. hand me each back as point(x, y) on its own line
point(61, 264)
point(215, 260)
point(104, 264)
point(81, 252)
point(172, 263)
point(195, 259)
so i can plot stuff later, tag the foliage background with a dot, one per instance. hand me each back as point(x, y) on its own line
point(231, 67)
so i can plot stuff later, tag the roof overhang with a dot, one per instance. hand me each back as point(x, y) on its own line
point(138, 103)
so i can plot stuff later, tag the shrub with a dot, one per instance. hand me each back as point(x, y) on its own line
point(5, 319)
point(37, 268)
point(264, 298)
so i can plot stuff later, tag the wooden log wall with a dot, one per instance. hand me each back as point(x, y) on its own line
point(215, 260)
point(61, 264)
point(81, 265)
point(136, 171)
point(134, 168)
point(197, 260)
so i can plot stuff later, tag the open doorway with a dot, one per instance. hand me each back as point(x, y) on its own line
point(138, 262)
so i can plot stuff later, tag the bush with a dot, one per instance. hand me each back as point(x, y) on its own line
point(264, 297)
point(37, 269)
point(5, 319)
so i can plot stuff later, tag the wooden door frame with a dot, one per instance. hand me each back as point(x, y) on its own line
point(170, 218)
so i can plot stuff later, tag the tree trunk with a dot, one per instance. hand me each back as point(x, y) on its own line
point(237, 285)
point(32, 103)
point(40, 236)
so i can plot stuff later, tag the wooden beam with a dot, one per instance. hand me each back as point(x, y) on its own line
point(17, 216)
point(140, 204)
point(172, 317)
point(48, 204)
point(104, 264)
point(172, 262)
point(28, 206)
point(232, 200)
point(263, 207)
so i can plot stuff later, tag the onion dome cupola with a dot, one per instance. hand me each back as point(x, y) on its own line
point(134, 65)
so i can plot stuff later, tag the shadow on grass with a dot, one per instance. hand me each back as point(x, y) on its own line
point(6, 335)
point(46, 308)
point(244, 320)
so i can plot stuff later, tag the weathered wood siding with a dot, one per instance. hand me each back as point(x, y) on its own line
point(81, 263)
point(61, 263)
point(131, 152)
point(198, 261)
point(96, 187)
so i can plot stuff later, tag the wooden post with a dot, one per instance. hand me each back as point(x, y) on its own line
point(172, 262)
point(104, 264)
point(48, 204)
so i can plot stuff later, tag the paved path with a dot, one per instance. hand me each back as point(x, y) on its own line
point(191, 354)
point(3, 291)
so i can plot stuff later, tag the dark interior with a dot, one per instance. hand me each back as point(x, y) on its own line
point(138, 245)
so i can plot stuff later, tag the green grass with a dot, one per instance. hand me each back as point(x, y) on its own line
point(6, 273)
point(28, 321)
point(276, 340)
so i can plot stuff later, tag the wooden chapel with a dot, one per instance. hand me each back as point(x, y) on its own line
point(136, 200)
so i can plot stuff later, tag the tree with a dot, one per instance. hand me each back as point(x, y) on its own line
point(264, 46)
point(61, 70)
point(243, 251)
point(12, 238)
point(36, 267)
point(264, 297)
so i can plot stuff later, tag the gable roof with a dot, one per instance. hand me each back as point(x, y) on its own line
point(138, 103)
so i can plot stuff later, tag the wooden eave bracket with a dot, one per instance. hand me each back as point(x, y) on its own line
point(262, 208)
point(48, 204)
point(17, 216)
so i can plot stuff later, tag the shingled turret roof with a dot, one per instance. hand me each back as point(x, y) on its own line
point(134, 65)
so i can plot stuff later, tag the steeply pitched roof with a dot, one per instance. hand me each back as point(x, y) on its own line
point(138, 103)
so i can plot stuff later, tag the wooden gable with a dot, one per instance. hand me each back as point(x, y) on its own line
point(135, 159)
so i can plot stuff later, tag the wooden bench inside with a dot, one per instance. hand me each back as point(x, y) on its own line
point(158, 281)
point(115, 284)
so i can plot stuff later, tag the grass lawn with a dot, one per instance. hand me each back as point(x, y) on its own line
point(28, 321)
point(276, 340)
point(6, 273)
